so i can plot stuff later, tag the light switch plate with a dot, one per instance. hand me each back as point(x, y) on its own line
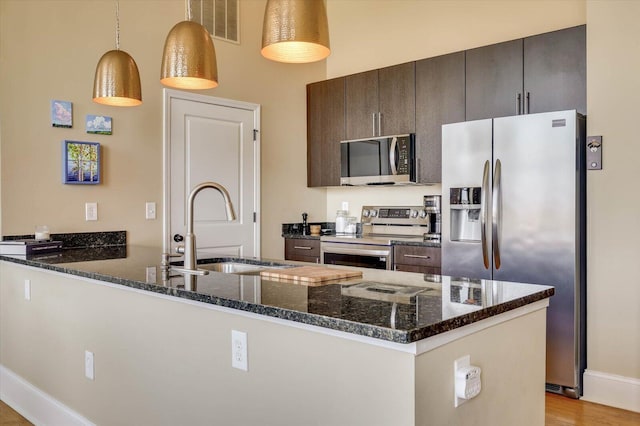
point(89, 371)
point(91, 211)
point(150, 210)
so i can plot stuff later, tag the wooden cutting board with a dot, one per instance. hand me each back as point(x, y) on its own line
point(310, 275)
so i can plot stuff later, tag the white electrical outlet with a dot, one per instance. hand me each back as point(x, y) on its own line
point(91, 211)
point(151, 274)
point(239, 350)
point(27, 289)
point(89, 370)
point(150, 210)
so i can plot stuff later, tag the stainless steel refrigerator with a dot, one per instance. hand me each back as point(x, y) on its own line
point(514, 209)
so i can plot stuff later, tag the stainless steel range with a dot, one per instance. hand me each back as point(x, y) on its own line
point(381, 226)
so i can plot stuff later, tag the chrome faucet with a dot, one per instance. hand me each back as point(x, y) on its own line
point(190, 260)
point(189, 269)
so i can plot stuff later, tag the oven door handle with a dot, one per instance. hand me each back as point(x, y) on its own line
point(358, 252)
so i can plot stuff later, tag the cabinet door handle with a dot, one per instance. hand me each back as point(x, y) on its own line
point(417, 256)
point(302, 247)
point(379, 124)
point(518, 103)
point(527, 106)
point(373, 124)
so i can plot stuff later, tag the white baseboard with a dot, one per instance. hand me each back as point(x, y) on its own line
point(35, 405)
point(610, 389)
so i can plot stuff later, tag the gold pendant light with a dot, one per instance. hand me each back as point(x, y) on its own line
point(117, 80)
point(295, 31)
point(189, 59)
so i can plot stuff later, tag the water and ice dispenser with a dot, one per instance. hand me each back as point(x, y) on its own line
point(465, 214)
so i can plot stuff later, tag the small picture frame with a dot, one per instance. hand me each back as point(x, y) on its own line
point(98, 124)
point(61, 114)
point(81, 163)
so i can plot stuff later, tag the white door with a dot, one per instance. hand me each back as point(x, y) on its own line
point(212, 139)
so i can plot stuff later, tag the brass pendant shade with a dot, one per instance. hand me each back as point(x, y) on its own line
point(295, 31)
point(117, 80)
point(189, 59)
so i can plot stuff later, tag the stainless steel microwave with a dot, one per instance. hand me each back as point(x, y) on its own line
point(381, 160)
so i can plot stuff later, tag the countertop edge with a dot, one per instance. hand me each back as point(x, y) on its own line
point(337, 324)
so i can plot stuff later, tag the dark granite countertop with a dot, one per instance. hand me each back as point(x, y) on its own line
point(433, 304)
point(301, 237)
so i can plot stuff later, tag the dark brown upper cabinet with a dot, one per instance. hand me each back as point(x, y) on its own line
point(440, 99)
point(494, 80)
point(380, 102)
point(325, 130)
point(546, 72)
point(555, 71)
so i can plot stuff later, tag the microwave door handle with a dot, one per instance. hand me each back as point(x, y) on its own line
point(484, 201)
point(392, 156)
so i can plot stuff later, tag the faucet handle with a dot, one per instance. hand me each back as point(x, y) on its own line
point(166, 257)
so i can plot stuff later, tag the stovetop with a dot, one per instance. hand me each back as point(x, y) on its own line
point(384, 225)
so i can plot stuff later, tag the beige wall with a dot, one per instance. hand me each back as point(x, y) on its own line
point(49, 50)
point(613, 85)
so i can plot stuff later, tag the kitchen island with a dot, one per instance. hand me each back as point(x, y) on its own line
point(345, 353)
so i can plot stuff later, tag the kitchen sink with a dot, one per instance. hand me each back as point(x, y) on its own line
point(230, 267)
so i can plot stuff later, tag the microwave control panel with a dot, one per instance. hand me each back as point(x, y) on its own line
point(404, 149)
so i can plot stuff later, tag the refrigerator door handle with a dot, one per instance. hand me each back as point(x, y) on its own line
point(496, 212)
point(484, 212)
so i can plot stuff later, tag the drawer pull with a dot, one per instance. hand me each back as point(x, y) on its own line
point(302, 247)
point(417, 256)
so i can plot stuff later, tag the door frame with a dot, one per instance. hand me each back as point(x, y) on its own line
point(168, 96)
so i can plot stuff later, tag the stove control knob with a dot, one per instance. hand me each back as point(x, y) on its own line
point(365, 213)
point(414, 213)
point(374, 213)
point(423, 214)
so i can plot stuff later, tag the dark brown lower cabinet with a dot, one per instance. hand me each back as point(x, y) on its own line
point(425, 260)
point(302, 250)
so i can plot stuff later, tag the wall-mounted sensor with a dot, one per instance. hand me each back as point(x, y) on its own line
point(594, 152)
point(466, 378)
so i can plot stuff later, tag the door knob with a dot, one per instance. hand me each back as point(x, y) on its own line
point(178, 238)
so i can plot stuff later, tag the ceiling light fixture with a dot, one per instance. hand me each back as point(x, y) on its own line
point(117, 80)
point(189, 58)
point(295, 31)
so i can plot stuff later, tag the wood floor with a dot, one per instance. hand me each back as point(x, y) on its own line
point(8, 417)
point(561, 411)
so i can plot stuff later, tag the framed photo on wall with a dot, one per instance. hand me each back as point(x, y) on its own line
point(61, 114)
point(81, 163)
point(98, 124)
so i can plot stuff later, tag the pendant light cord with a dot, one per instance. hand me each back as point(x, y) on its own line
point(117, 25)
point(188, 10)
